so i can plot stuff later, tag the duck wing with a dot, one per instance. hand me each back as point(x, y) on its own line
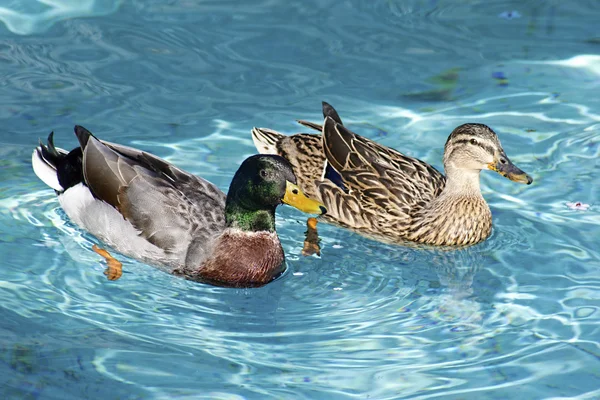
point(328, 111)
point(380, 178)
point(357, 151)
point(169, 206)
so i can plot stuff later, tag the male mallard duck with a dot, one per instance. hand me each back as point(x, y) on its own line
point(378, 191)
point(148, 209)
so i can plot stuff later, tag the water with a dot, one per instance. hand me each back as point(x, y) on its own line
point(514, 317)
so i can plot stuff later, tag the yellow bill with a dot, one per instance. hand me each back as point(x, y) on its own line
point(296, 198)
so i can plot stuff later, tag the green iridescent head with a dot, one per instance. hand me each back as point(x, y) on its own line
point(261, 184)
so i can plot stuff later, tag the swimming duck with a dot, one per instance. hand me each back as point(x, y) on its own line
point(146, 208)
point(380, 192)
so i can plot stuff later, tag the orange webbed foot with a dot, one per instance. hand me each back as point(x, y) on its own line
point(311, 243)
point(114, 268)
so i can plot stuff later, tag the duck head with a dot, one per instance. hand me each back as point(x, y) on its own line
point(474, 147)
point(262, 183)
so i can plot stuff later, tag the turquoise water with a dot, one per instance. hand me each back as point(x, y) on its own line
point(514, 317)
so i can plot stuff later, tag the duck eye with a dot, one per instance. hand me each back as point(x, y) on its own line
point(473, 141)
point(263, 173)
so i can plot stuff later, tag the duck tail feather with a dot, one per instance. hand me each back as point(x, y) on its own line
point(45, 160)
point(266, 140)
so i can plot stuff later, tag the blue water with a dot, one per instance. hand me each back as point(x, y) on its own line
point(514, 317)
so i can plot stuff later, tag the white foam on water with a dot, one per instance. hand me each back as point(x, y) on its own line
point(30, 17)
point(589, 62)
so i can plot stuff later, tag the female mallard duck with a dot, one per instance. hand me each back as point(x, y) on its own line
point(148, 209)
point(378, 191)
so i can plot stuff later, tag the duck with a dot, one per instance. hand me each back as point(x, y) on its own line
point(147, 208)
point(381, 193)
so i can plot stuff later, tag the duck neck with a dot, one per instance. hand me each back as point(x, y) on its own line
point(458, 216)
point(249, 219)
point(462, 182)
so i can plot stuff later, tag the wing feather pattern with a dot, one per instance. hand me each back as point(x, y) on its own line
point(167, 205)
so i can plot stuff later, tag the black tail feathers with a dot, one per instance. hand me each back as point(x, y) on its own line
point(49, 152)
point(69, 167)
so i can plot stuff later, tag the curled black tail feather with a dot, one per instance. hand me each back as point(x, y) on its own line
point(49, 152)
point(69, 169)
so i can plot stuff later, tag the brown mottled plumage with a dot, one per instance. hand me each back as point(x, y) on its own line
point(303, 151)
point(148, 209)
point(382, 193)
